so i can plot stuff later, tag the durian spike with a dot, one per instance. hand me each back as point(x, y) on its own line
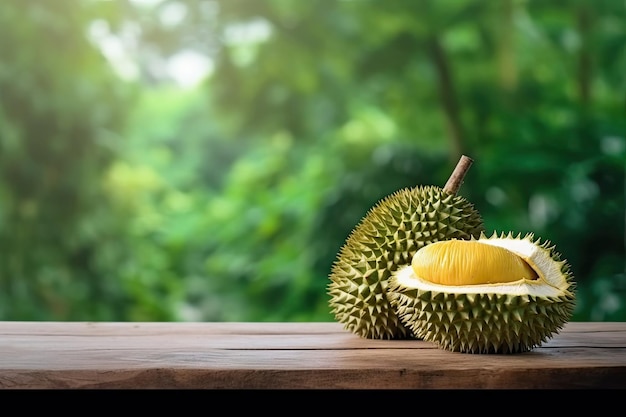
point(456, 178)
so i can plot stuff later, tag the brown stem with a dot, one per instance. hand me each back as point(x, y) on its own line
point(456, 178)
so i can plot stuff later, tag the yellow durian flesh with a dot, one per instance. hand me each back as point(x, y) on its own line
point(463, 262)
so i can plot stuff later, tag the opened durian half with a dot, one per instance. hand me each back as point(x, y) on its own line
point(385, 240)
point(501, 294)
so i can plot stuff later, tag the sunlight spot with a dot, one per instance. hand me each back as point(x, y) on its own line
point(189, 68)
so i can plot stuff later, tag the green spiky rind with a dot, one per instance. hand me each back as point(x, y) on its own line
point(485, 322)
point(385, 240)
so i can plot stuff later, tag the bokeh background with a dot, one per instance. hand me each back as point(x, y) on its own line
point(204, 160)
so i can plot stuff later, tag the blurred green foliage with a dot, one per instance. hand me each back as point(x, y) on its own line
point(124, 196)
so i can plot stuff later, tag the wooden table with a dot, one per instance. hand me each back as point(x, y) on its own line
point(60, 355)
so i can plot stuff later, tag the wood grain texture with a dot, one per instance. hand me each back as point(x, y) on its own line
point(58, 355)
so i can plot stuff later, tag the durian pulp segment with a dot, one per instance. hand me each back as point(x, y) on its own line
point(551, 282)
point(462, 262)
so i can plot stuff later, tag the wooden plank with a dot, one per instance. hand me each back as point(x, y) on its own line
point(291, 355)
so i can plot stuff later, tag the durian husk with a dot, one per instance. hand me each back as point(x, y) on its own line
point(510, 317)
point(384, 241)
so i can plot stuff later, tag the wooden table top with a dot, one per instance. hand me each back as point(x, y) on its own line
point(184, 355)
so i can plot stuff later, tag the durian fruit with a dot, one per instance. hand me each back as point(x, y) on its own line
point(501, 294)
point(386, 239)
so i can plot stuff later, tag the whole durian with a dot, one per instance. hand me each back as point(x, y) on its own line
point(501, 294)
point(386, 239)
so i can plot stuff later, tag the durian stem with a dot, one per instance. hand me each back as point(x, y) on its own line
point(456, 178)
